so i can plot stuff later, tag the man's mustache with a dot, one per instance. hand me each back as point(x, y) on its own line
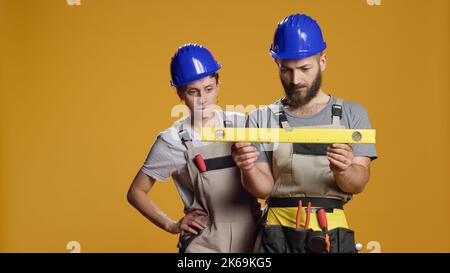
point(293, 86)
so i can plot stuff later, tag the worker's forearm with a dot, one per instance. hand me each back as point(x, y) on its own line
point(140, 200)
point(257, 183)
point(353, 179)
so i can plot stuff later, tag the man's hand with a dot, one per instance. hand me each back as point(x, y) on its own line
point(351, 173)
point(189, 223)
point(244, 155)
point(340, 157)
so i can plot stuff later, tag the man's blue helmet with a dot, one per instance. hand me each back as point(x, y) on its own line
point(297, 36)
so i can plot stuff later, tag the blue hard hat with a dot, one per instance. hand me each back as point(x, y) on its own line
point(297, 36)
point(191, 62)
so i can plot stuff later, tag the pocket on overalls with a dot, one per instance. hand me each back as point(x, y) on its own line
point(342, 240)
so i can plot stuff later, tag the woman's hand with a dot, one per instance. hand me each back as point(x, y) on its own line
point(189, 223)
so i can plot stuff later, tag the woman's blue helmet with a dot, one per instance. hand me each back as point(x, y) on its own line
point(192, 62)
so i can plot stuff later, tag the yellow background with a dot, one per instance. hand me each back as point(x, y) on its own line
point(84, 91)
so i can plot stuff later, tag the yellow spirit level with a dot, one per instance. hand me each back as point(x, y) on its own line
point(295, 135)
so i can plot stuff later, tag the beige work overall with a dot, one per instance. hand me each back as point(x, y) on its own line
point(232, 211)
point(302, 171)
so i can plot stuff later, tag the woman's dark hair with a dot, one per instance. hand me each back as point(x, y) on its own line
point(214, 75)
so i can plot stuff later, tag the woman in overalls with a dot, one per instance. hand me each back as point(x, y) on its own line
point(219, 215)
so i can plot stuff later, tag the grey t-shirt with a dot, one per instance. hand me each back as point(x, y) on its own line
point(354, 116)
point(166, 156)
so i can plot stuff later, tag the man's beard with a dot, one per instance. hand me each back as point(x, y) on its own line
point(295, 98)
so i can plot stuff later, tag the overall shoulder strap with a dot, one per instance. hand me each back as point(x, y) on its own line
point(227, 123)
point(186, 139)
point(280, 115)
point(336, 112)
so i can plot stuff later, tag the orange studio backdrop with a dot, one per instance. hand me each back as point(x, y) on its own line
point(84, 91)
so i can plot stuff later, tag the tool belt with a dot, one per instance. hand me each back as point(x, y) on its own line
point(302, 239)
point(326, 203)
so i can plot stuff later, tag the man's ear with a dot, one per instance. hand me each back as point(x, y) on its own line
point(323, 61)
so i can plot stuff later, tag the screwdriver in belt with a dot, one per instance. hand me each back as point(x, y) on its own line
point(322, 218)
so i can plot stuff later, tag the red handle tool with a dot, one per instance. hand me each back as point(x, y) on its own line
point(299, 214)
point(322, 218)
point(200, 163)
point(308, 214)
